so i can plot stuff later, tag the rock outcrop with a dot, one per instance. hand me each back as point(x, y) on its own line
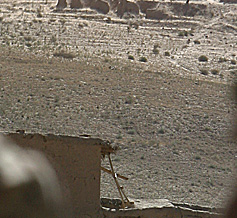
point(76, 4)
point(100, 6)
point(155, 14)
point(61, 4)
point(125, 6)
point(144, 5)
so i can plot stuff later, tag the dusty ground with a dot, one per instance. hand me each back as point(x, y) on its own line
point(171, 115)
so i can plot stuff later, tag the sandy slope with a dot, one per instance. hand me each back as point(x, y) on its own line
point(171, 120)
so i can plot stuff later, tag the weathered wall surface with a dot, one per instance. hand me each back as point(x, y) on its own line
point(28, 184)
point(161, 208)
point(173, 212)
point(77, 164)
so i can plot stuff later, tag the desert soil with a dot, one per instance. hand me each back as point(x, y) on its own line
point(71, 72)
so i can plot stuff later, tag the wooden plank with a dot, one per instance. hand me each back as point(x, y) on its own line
point(110, 172)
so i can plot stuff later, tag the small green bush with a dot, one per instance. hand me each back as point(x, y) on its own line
point(197, 157)
point(28, 44)
point(204, 72)
point(183, 33)
point(215, 72)
point(167, 53)
point(233, 62)
point(130, 57)
point(197, 42)
point(39, 13)
point(161, 131)
point(203, 58)
point(143, 59)
point(131, 132)
point(155, 51)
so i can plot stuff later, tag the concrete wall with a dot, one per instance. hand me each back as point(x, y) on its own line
point(77, 164)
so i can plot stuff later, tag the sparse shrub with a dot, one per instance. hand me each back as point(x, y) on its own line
point(167, 54)
point(131, 132)
point(62, 21)
point(130, 57)
point(198, 158)
point(233, 62)
point(161, 131)
point(108, 20)
point(28, 44)
point(183, 33)
point(215, 72)
point(156, 45)
point(106, 60)
point(210, 183)
point(203, 58)
point(197, 42)
point(28, 38)
point(119, 136)
point(52, 20)
point(155, 49)
point(129, 100)
point(221, 60)
point(1, 19)
point(211, 166)
point(117, 159)
point(80, 25)
point(135, 25)
point(64, 54)
point(143, 59)
point(53, 39)
point(204, 72)
point(39, 13)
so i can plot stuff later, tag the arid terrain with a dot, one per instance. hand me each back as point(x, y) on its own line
point(160, 89)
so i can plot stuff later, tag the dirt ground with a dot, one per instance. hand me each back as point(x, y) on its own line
point(134, 81)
